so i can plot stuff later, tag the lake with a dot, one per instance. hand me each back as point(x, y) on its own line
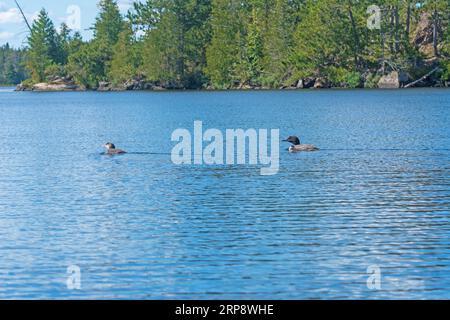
point(375, 197)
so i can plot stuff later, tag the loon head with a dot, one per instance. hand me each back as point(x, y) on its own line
point(111, 149)
point(110, 146)
point(294, 140)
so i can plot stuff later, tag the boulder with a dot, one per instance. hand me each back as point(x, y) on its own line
point(423, 39)
point(148, 86)
point(390, 81)
point(403, 77)
point(21, 87)
point(56, 84)
point(306, 83)
point(119, 87)
point(245, 87)
point(55, 87)
point(59, 81)
point(321, 83)
point(104, 86)
point(135, 84)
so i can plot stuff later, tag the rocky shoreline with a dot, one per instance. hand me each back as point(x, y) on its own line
point(393, 80)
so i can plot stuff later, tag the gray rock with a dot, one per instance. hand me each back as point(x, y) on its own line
point(306, 83)
point(390, 81)
point(104, 86)
point(134, 84)
point(403, 77)
point(55, 87)
point(321, 83)
point(21, 87)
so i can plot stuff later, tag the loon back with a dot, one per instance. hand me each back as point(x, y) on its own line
point(115, 151)
point(112, 150)
point(297, 146)
point(303, 148)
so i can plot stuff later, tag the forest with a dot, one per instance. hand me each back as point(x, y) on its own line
point(232, 44)
point(12, 65)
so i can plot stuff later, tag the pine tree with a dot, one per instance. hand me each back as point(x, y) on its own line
point(223, 51)
point(125, 60)
point(254, 48)
point(11, 65)
point(108, 24)
point(233, 43)
point(90, 64)
point(277, 44)
point(44, 47)
point(327, 43)
point(175, 47)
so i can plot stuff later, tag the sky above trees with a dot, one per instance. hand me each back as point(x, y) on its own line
point(14, 31)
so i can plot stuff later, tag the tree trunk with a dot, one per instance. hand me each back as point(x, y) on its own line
point(391, 31)
point(23, 15)
point(396, 30)
point(435, 32)
point(408, 17)
point(422, 78)
point(355, 34)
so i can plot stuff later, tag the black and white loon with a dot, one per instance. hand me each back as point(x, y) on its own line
point(111, 149)
point(297, 146)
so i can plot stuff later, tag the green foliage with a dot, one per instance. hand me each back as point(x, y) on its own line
point(44, 47)
point(89, 63)
point(372, 81)
point(277, 43)
point(86, 65)
point(231, 43)
point(222, 53)
point(341, 77)
point(108, 24)
point(254, 48)
point(175, 48)
point(126, 58)
point(12, 70)
point(324, 39)
point(445, 75)
point(54, 71)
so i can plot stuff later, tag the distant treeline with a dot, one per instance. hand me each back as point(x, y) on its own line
point(12, 65)
point(237, 44)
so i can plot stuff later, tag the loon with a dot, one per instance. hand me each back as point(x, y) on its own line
point(298, 147)
point(111, 149)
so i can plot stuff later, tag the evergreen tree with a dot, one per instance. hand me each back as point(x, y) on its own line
point(12, 70)
point(108, 24)
point(175, 48)
point(44, 47)
point(254, 48)
point(223, 53)
point(277, 44)
point(233, 43)
point(125, 60)
point(90, 64)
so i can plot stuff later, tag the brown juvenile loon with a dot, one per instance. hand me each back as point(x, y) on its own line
point(298, 147)
point(111, 149)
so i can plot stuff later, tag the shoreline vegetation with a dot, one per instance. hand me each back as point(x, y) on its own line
point(230, 44)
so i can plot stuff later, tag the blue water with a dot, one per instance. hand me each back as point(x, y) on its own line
point(140, 227)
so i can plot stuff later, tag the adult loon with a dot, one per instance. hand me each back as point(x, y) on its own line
point(111, 149)
point(298, 147)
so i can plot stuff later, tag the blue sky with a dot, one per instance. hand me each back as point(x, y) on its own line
point(14, 31)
